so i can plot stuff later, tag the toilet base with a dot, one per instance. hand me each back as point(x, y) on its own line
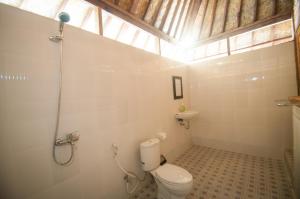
point(164, 193)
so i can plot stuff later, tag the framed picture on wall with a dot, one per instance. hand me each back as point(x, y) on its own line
point(177, 87)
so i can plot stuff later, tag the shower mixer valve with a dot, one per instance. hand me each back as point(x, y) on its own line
point(70, 138)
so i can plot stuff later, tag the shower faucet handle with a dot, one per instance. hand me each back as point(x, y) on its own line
point(70, 138)
point(73, 137)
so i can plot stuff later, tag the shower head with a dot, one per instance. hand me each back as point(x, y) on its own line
point(63, 18)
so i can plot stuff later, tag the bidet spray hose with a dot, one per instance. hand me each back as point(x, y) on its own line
point(128, 173)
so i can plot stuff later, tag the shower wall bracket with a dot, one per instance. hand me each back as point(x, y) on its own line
point(56, 38)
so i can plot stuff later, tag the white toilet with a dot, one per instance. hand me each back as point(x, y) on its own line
point(173, 182)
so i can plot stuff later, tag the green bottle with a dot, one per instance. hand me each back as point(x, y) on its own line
point(182, 107)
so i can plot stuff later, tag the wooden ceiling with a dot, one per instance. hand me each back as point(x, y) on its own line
point(199, 21)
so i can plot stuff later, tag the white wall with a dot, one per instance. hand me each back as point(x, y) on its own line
point(235, 97)
point(111, 93)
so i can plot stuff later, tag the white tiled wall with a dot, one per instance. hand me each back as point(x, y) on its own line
point(111, 93)
point(235, 97)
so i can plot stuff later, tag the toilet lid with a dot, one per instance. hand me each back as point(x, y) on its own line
point(173, 174)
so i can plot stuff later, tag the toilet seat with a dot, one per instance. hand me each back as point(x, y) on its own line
point(173, 175)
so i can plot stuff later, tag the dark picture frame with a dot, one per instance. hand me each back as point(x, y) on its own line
point(177, 87)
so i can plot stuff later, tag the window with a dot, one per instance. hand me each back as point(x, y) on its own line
point(118, 29)
point(260, 38)
point(264, 37)
point(208, 51)
point(173, 51)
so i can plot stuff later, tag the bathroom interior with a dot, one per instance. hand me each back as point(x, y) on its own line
point(149, 99)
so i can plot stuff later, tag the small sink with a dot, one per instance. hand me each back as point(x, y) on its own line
point(187, 115)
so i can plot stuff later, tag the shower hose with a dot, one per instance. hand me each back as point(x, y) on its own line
point(63, 163)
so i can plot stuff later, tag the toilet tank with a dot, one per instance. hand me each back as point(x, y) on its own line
point(150, 154)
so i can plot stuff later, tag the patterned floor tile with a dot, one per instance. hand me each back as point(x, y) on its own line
point(227, 175)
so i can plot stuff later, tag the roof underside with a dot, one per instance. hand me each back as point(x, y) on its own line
point(198, 21)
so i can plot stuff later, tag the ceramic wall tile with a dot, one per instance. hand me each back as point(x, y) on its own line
point(242, 89)
point(112, 93)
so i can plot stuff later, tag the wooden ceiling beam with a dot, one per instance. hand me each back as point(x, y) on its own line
point(205, 3)
point(220, 17)
point(185, 23)
point(213, 17)
point(180, 16)
point(225, 15)
point(100, 21)
point(246, 28)
point(275, 7)
point(266, 8)
point(116, 10)
point(113, 1)
point(248, 12)
point(233, 15)
point(164, 18)
point(284, 5)
point(188, 28)
point(208, 19)
point(161, 13)
point(152, 11)
point(198, 21)
point(174, 16)
point(139, 8)
point(239, 18)
point(255, 16)
point(124, 4)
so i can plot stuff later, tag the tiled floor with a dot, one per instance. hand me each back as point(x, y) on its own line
point(222, 174)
